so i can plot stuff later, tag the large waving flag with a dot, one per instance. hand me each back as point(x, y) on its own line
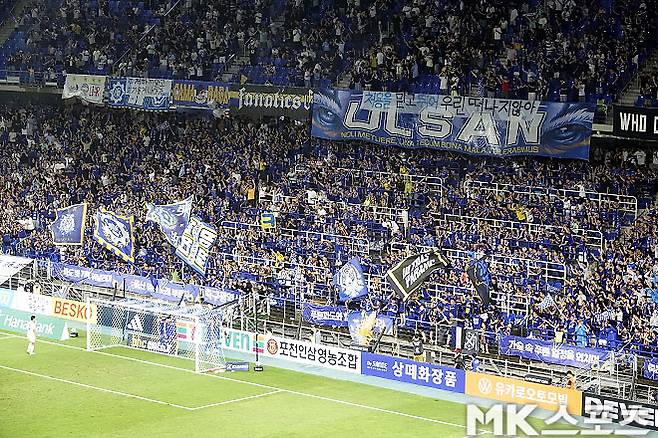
point(350, 282)
point(172, 218)
point(195, 244)
point(69, 225)
point(116, 233)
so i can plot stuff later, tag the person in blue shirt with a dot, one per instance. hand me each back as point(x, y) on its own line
point(581, 333)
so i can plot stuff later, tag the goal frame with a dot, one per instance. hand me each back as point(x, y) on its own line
point(206, 326)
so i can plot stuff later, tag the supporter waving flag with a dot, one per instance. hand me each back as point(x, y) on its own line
point(116, 233)
point(69, 225)
point(172, 218)
point(350, 282)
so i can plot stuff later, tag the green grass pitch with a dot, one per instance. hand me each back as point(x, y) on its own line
point(64, 391)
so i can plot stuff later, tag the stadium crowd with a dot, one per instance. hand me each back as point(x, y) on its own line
point(550, 277)
point(556, 50)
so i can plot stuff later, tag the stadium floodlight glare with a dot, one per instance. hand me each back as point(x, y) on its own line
point(189, 333)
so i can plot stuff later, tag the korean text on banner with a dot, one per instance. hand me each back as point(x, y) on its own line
point(409, 371)
point(85, 87)
point(472, 125)
point(324, 356)
point(521, 392)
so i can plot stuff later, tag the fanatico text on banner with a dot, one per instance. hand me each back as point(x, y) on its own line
point(139, 93)
point(200, 95)
point(85, 87)
point(68, 228)
point(195, 244)
point(263, 100)
point(172, 218)
point(545, 351)
point(350, 281)
point(408, 275)
point(116, 233)
point(472, 125)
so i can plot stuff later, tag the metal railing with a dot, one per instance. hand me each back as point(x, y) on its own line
point(591, 238)
point(625, 203)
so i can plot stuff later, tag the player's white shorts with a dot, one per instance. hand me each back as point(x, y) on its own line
point(31, 338)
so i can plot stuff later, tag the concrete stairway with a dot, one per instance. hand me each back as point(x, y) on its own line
point(632, 91)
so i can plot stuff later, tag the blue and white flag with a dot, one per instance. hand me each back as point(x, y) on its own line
point(547, 302)
point(69, 225)
point(172, 218)
point(364, 325)
point(349, 281)
point(116, 233)
point(195, 244)
point(139, 93)
point(651, 368)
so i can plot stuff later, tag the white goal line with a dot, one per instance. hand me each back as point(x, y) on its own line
point(260, 385)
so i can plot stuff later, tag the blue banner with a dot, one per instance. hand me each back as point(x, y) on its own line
point(217, 297)
point(335, 316)
point(350, 282)
point(152, 287)
point(200, 95)
point(195, 244)
point(651, 368)
point(172, 218)
point(364, 325)
point(139, 93)
point(116, 233)
point(69, 225)
point(472, 125)
point(409, 371)
point(549, 352)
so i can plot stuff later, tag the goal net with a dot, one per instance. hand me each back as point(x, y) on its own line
point(188, 333)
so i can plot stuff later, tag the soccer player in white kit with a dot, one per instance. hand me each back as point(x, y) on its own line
point(31, 334)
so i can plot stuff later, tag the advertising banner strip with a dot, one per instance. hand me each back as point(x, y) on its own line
point(324, 356)
point(471, 125)
point(409, 371)
point(524, 393)
point(47, 327)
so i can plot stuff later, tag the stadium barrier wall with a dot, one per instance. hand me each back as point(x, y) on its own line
point(15, 319)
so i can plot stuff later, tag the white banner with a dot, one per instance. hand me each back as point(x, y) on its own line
point(32, 303)
point(10, 265)
point(86, 87)
point(324, 356)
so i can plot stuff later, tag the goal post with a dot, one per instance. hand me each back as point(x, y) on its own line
point(188, 333)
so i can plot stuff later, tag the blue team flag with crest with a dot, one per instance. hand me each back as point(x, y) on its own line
point(349, 281)
point(116, 233)
point(172, 218)
point(69, 225)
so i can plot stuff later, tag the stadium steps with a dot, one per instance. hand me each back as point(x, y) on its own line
point(9, 25)
point(631, 93)
point(235, 68)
